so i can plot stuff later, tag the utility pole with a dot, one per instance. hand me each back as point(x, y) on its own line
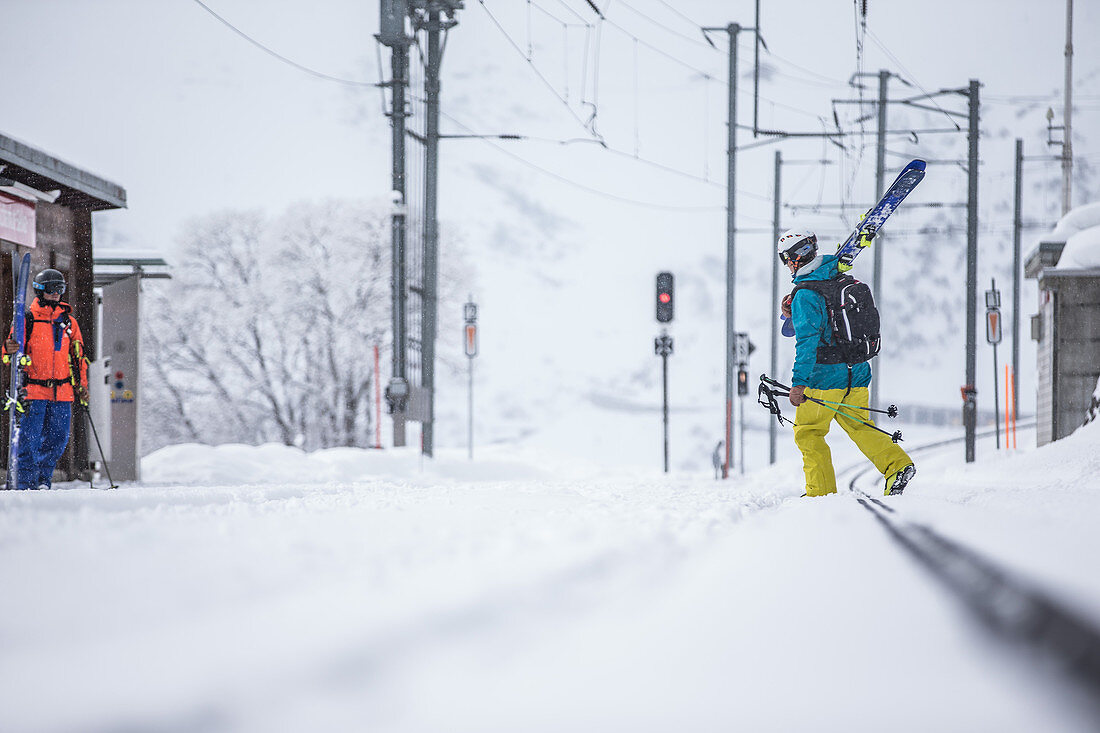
point(393, 35)
point(880, 183)
point(415, 401)
point(774, 363)
point(1067, 146)
point(431, 225)
point(732, 30)
point(1017, 226)
point(970, 405)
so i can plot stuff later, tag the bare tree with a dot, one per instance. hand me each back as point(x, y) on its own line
point(266, 331)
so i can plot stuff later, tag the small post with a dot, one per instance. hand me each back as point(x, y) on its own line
point(665, 310)
point(377, 399)
point(662, 346)
point(469, 312)
point(993, 336)
point(745, 348)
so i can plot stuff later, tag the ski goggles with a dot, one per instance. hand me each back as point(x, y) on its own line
point(53, 288)
point(798, 252)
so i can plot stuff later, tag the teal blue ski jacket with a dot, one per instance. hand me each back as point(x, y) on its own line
point(810, 319)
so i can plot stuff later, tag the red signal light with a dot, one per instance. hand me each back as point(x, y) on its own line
point(664, 297)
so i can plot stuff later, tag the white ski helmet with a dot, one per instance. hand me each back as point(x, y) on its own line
point(798, 247)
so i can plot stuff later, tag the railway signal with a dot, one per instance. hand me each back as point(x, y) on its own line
point(665, 301)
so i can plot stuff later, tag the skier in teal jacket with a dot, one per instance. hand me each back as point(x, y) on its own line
point(833, 384)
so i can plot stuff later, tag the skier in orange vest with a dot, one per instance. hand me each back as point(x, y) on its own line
point(56, 375)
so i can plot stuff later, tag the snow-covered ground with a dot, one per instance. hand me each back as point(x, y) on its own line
point(264, 589)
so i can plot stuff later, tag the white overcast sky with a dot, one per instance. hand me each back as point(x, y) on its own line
point(163, 99)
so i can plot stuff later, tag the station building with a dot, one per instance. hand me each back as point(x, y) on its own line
point(1066, 263)
point(46, 208)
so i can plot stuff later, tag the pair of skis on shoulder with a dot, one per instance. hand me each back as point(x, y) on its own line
point(906, 181)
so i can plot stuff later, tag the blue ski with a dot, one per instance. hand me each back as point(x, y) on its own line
point(907, 180)
point(14, 405)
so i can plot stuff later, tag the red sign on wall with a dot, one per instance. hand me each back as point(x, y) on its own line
point(17, 220)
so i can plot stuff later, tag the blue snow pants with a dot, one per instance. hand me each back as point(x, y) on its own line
point(43, 435)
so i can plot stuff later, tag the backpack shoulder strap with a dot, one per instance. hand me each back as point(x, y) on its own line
point(31, 320)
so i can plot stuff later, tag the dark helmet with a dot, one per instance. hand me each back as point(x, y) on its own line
point(49, 281)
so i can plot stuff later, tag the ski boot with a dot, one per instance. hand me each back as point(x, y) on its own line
point(896, 483)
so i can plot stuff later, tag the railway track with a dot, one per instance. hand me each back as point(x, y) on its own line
point(1010, 606)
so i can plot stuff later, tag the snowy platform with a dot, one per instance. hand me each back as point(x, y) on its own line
point(265, 589)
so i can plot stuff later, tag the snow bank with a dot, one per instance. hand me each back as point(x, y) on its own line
point(1076, 220)
point(1080, 230)
point(1082, 250)
point(274, 464)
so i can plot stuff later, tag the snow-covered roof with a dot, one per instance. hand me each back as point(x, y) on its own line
point(1076, 220)
point(79, 188)
point(1074, 242)
point(1082, 250)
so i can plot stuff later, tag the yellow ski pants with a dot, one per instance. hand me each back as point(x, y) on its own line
point(812, 422)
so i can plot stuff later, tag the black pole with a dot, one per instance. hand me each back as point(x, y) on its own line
point(1016, 228)
point(733, 29)
point(773, 429)
point(428, 330)
point(398, 388)
point(970, 403)
point(106, 468)
point(880, 185)
point(997, 400)
point(664, 387)
point(662, 346)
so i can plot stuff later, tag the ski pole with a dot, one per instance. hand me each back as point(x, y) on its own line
point(766, 398)
point(99, 445)
point(895, 436)
point(891, 411)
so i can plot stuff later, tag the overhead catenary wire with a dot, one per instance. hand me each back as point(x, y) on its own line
point(703, 73)
point(275, 54)
point(539, 74)
point(550, 15)
point(604, 147)
point(912, 78)
point(826, 80)
point(680, 14)
point(577, 15)
point(690, 39)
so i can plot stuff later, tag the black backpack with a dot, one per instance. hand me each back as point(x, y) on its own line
point(853, 318)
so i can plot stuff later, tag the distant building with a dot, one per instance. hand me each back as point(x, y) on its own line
point(1067, 265)
point(46, 209)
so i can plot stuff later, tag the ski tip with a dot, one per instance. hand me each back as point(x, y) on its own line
point(917, 164)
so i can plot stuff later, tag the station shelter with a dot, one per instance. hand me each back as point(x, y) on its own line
point(46, 208)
